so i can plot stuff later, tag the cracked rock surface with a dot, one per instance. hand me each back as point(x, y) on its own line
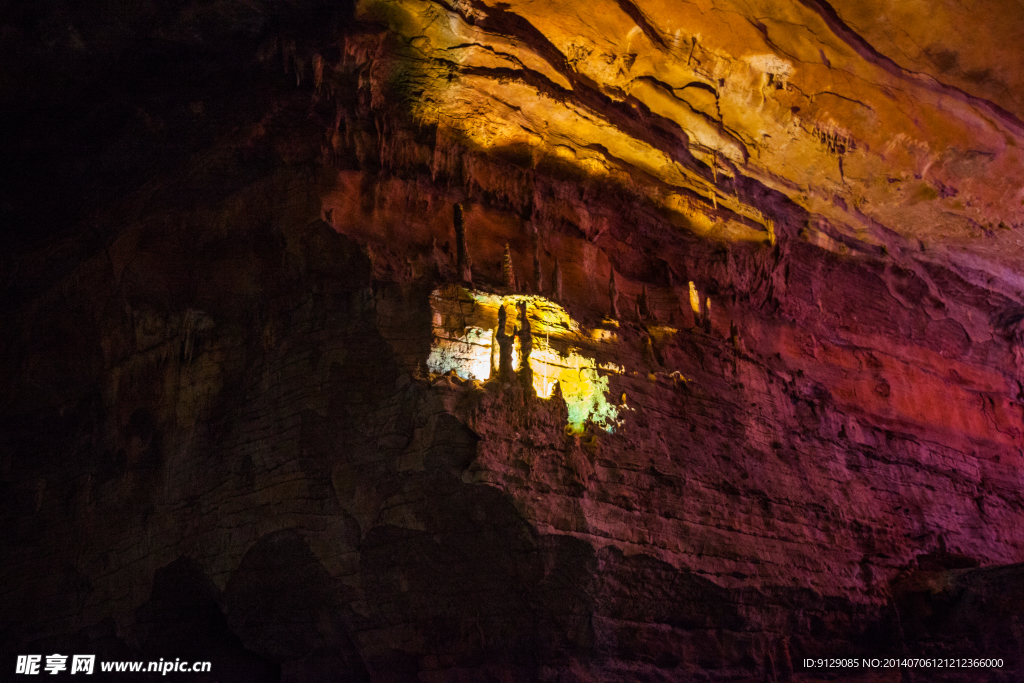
point(224, 255)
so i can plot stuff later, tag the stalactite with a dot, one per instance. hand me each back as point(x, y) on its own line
point(556, 282)
point(318, 71)
point(287, 52)
point(707, 315)
point(734, 336)
point(1017, 346)
point(464, 265)
point(188, 345)
point(613, 297)
point(508, 273)
point(643, 305)
point(538, 274)
point(442, 264)
point(695, 304)
point(647, 350)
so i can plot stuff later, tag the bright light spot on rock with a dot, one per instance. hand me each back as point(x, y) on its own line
point(694, 299)
point(468, 355)
point(462, 343)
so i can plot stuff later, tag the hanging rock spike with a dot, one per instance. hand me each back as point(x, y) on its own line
point(538, 274)
point(464, 265)
point(613, 296)
point(695, 302)
point(643, 305)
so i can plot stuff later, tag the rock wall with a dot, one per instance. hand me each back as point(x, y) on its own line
point(221, 440)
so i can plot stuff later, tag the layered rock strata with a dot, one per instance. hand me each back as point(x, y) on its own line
point(222, 438)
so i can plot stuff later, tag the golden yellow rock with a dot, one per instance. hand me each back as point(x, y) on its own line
point(873, 130)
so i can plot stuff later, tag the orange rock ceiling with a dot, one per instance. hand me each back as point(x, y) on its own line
point(882, 127)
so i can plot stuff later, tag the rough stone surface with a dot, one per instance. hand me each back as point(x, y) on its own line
point(219, 438)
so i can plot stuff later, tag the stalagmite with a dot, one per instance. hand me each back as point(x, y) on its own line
point(463, 263)
point(525, 348)
point(556, 391)
point(504, 341)
point(494, 354)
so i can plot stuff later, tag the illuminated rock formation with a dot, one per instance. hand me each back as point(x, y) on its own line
point(525, 372)
point(570, 357)
point(694, 297)
point(504, 342)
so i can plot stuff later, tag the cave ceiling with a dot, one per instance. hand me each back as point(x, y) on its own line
point(887, 122)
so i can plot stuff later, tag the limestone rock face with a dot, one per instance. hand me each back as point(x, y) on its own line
point(244, 408)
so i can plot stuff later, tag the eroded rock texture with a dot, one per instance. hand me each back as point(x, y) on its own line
point(228, 234)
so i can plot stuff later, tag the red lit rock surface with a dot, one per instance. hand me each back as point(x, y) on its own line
point(226, 433)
